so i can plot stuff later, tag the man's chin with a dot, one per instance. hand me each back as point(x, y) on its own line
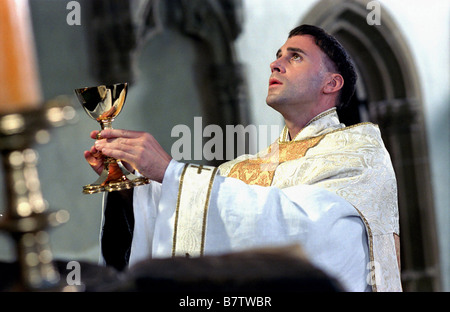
point(272, 101)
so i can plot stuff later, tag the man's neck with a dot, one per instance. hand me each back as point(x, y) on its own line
point(296, 122)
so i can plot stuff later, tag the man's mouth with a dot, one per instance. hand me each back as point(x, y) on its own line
point(274, 81)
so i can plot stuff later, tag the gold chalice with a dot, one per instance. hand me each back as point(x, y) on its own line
point(103, 104)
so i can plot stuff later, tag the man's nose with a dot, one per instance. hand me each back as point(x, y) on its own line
point(277, 66)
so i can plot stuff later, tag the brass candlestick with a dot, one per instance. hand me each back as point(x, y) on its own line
point(103, 104)
point(26, 217)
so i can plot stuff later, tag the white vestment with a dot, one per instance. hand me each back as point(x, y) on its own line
point(332, 190)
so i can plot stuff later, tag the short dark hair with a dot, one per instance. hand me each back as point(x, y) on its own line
point(337, 54)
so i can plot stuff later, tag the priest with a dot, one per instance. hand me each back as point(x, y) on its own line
point(327, 187)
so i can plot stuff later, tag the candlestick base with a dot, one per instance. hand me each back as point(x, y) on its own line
point(26, 218)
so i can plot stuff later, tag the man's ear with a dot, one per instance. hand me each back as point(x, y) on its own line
point(334, 84)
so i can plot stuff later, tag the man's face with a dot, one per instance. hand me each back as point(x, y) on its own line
point(297, 74)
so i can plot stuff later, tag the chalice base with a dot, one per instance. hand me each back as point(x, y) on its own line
point(115, 178)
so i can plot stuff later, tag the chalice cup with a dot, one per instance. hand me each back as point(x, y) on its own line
point(103, 104)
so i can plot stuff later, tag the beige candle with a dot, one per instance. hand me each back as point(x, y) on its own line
point(19, 79)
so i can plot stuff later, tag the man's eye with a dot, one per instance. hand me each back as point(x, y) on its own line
point(296, 57)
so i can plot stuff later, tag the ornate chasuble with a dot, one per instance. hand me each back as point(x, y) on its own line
point(260, 171)
point(351, 162)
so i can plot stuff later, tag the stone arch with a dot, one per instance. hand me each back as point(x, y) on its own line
point(388, 93)
point(214, 26)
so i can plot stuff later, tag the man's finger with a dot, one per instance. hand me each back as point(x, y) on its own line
point(119, 133)
point(94, 134)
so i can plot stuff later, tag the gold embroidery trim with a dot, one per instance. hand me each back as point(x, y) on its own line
point(371, 256)
point(260, 171)
point(205, 211)
point(177, 211)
